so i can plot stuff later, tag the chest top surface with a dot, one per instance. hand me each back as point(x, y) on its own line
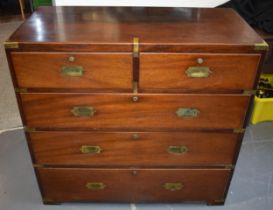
point(116, 27)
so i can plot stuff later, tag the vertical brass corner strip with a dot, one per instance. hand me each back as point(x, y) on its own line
point(249, 92)
point(38, 165)
point(20, 90)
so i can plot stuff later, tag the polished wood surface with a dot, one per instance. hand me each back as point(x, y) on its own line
point(118, 111)
point(134, 148)
point(139, 185)
point(101, 71)
point(168, 71)
point(113, 28)
point(134, 127)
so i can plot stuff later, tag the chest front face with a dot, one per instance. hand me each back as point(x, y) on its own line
point(134, 104)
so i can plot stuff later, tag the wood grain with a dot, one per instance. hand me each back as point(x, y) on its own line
point(118, 111)
point(133, 148)
point(43, 70)
point(134, 136)
point(129, 185)
point(168, 71)
point(113, 29)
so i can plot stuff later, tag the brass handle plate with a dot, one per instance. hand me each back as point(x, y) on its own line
point(95, 185)
point(198, 71)
point(88, 149)
point(83, 111)
point(187, 112)
point(173, 186)
point(178, 150)
point(72, 71)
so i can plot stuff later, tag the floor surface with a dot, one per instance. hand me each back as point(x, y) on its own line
point(251, 186)
point(9, 114)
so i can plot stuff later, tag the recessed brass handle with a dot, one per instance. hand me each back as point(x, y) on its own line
point(187, 112)
point(198, 72)
point(173, 186)
point(95, 185)
point(83, 111)
point(88, 149)
point(178, 150)
point(72, 71)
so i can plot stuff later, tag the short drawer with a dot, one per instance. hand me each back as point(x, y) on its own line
point(119, 111)
point(75, 70)
point(134, 148)
point(198, 71)
point(140, 185)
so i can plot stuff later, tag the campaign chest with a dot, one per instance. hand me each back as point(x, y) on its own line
point(134, 104)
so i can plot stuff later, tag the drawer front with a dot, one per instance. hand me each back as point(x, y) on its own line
point(142, 185)
point(198, 71)
point(77, 70)
point(133, 149)
point(95, 111)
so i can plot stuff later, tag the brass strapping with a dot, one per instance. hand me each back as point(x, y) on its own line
point(136, 47)
point(11, 45)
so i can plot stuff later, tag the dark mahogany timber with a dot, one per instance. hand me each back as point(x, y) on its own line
point(108, 29)
point(43, 70)
point(136, 96)
point(168, 71)
point(136, 185)
point(134, 148)
point(119, 111)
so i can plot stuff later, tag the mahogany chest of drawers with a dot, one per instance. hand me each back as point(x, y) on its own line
point(134, 104)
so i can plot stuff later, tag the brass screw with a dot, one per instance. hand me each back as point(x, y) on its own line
point(134, 172)
point(200, 60)
point(71, 58)
point(135, 98)
point(135, 136)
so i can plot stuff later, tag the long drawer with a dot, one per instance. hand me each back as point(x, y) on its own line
point(119, 111)
point(73, 70)
point(133, 148)
point(198, 71)
point(128, 185)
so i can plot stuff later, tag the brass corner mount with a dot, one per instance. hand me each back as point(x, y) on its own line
point(11, 45)
point(262, 46)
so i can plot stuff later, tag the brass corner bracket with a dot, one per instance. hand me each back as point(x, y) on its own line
point(20, 90)
point(230, 166)
point(263, 46)
point(38, 165)
point(27, 129)
point(136, 47)
point(249, 92)
point(11, 45)
point(220, 201)
point(239, 130)
point(49, 201)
